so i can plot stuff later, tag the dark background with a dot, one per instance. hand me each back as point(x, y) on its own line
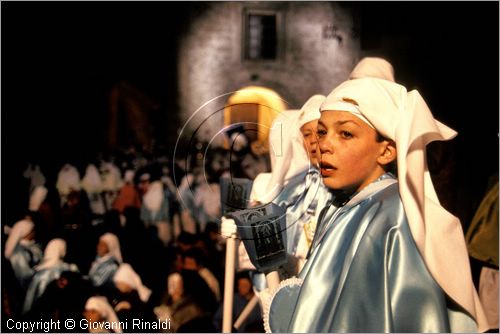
point(59, 61)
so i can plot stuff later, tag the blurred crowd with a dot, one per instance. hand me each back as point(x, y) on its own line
point(134, 235)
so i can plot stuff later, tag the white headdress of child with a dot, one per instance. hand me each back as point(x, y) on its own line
point(405, 118)
point(287, 153)
point(68, 179)
point(101, 305)
point(373, 67)
point(92, 182)
point(113, 244)
point(310, 110)
point(126, 274)
point(53, 255)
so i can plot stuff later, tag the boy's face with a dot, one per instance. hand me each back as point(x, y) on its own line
point(308, 131)
point(349, 151)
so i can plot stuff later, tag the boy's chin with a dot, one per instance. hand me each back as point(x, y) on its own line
point(331, 183)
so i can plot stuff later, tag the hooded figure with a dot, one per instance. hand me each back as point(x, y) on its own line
point(185, 197)
point(316, 195)
point(285, 184)
point(109, 257)
point(93, 186)
point(68, 180)
point(35, 175)
point(153, 201)
point(47, 271)
point(130, 280)
point(155, 211)
point(97, 309)
point(132, 299)
point(189, 303)
point(207, 201)
point(22, 251)
point(111, 177)
point(293, 184)
point(389, 258)
point(111, 182)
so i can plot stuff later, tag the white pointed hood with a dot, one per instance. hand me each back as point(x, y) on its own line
point(92, 182)
point(405, 118)
point(68, 179)
point(287, 153)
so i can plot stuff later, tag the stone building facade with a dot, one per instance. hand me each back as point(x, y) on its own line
point(296, 49)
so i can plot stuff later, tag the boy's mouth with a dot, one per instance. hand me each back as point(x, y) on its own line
point(326, 168)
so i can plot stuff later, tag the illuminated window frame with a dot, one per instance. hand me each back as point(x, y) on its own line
point(260, 51)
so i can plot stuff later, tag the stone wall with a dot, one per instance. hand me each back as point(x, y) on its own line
point(310, 59)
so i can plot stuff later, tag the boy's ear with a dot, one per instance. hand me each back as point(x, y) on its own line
point(389, 152)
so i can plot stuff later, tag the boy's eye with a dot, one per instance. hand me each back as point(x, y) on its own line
point(346, 134)
point(320, 133)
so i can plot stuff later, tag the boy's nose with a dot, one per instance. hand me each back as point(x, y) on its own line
point(313, 140)
point(324, 146)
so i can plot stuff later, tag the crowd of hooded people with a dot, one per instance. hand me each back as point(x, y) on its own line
point(122, 239)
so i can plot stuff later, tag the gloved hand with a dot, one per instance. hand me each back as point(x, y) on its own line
point(228, 227)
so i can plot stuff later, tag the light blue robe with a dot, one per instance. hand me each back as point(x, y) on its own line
point(22, 260)
point(187, 199)
point(41, 280)
point(303, 196)
point(102, 270)
point(366, 275)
